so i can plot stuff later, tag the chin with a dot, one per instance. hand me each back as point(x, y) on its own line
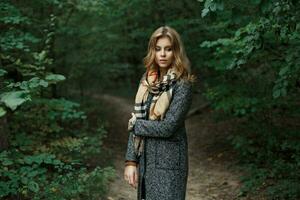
point(164, 66)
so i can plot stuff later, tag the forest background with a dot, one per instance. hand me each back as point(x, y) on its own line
point(245, 54)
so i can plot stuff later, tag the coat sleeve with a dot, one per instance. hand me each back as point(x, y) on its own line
point(130, 154)
point(174, 117)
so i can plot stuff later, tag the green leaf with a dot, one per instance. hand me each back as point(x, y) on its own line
point(40, 56)
point(283, 70)
point(205, 11)
point(44, 83)
point(55, 77)
point(2, 72)
point(33, 186)
point(213, 7)
point(2, 112)
point(14, 99)
point(276, 94)
point(7, 162)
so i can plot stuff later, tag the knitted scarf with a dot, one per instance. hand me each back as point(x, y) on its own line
point(162, 94)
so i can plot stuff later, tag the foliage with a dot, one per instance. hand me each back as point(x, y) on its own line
point(43, 176)
point(50, 140)
point(245, 52)
point(257, 70)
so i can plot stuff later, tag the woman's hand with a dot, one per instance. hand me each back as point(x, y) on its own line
point(131, 176)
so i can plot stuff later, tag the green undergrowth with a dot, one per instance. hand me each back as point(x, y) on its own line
point(55, 153)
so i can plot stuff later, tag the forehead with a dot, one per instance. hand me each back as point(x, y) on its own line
point(163, 41)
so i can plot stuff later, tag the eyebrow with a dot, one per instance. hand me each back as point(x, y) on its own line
point(165, 46)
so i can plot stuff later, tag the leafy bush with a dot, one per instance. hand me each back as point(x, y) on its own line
point(49, 141)
point(43, 176)
point(256, 70)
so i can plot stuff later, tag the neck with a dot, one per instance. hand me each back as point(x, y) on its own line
point(163, 71)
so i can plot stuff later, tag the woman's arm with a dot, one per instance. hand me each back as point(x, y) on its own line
point(130, 162)
point(130, 154)
point(174, 117)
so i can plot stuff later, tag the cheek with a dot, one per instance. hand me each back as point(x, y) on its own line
point(171, 56)
point(156, 55)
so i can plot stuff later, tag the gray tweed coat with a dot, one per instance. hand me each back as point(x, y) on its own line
point(163, 166)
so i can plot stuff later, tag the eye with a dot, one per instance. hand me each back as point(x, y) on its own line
point(169, 49)
point(157, 49)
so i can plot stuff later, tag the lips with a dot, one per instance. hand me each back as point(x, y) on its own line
point(163, 60)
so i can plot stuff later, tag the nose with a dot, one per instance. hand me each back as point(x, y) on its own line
point(162, 53)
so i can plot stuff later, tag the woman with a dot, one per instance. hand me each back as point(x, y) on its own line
point(157, 151)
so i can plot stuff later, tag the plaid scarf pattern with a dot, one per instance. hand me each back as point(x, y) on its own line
point(162, 94)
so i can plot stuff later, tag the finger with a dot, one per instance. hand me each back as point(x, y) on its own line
point(134, 182)
point(136, 178)
point(131, 181)
point(126, 176)
point(131, 184)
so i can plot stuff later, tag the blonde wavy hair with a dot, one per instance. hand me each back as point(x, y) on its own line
point(181, 62)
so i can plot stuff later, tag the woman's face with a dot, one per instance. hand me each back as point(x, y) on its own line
point(164, 52)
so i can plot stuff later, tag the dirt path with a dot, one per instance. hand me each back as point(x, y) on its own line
point(212, 175)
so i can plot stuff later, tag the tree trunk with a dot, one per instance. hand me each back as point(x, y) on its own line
point(4, 133)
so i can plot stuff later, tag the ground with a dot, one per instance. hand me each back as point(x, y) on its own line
point(213, 171)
